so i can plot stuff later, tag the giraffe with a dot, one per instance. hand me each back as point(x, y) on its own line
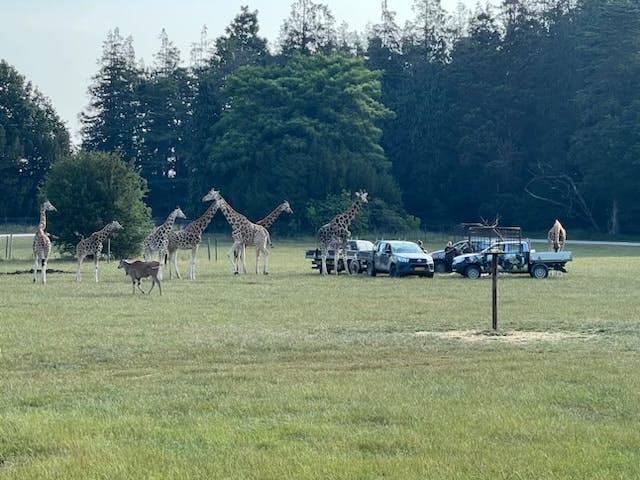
point(158, 239)
point(336, 233)
point(244, 232)
point(189, 238)
point(557, 237)
point(266, 222)
point(92, 245)
point(42, 243)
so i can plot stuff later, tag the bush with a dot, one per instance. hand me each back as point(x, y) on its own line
point(90, 189)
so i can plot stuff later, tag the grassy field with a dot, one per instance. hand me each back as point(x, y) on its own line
point(295, 376)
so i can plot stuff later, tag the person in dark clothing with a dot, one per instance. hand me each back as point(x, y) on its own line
point(449, 253)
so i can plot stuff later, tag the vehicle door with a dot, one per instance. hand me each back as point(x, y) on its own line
point(384, 256)
point(513, 259)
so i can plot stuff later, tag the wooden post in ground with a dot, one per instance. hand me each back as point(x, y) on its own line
point(494, 290)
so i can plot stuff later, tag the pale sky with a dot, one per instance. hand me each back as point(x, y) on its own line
point(56, 44)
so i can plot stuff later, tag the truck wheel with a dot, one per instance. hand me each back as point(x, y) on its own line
point(393, 270)
point(354, 266)
point(539, 270)
point(472, 271)
point(440, 267)
point(371, 270)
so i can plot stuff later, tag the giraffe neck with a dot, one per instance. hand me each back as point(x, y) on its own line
point(234, 219)
point(43, 219)
point(168, 224)
point(102, 234)
point(270, 219)
point(345, 218)
point(198, 225)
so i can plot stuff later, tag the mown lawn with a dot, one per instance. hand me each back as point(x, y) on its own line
point(295, 376)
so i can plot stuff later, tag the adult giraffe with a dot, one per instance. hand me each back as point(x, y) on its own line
point(266, 222)
point(42, 243)
point(336, 233)
point(189, 238)
point(159, 238)
point(244, 232)
point(92, 245)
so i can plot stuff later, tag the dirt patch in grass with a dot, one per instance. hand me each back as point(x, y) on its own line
point(513, 336)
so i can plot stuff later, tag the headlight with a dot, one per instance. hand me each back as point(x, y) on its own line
point(402, 260)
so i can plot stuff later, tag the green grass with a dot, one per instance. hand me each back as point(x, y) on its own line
point(295, 376)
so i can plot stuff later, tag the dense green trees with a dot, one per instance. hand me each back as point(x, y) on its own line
point(32, 138)
point(301, 130)
point(91, 189)
point(530, 111)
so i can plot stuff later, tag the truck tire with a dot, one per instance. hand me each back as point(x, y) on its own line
point(472, 271)
point(393, 270)
point(539, 270)
point(354, 266)
point(440, 267)
point(371, 269)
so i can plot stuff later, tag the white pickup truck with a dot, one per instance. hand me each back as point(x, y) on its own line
point(514, 257)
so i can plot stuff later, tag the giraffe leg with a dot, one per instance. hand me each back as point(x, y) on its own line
point(244, 258)
point(35, 269)
point(336, 258)
point(265, 254)
point(192, 263)
point(161, 256)
point(79, 271)
point(344, 260)
point(96, 257)
point(173, 263)
point(43, 275)
point(324, 262)
point(232, 258)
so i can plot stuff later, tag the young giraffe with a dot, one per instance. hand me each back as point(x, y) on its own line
point(244, 232)
point(159, 238)
point(557, 237)
point(42, 243)
point(92, 245)
point(189, 238)
point(266, 222)
point(336, 233)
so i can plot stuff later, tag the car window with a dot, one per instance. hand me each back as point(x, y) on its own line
point(407, 248)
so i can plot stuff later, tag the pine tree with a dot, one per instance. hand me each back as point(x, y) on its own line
point(111, 120)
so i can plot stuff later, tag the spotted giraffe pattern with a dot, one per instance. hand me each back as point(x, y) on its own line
point(92, 245)
point(243, 231)
point(266, 222)
point(336, 233)
point(42, 243)
point(189, 238)
point(159, 238)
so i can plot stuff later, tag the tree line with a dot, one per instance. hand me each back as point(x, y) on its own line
point(528, 111)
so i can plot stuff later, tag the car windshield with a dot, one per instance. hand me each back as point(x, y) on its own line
point(407, 248)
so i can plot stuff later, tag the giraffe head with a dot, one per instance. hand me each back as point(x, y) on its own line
point(115, 225)
point(178, 213)
point(286, 207)
point(362, 196)
point(213, 195)
point(47, 207)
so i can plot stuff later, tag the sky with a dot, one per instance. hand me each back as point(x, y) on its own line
point(57, 44)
